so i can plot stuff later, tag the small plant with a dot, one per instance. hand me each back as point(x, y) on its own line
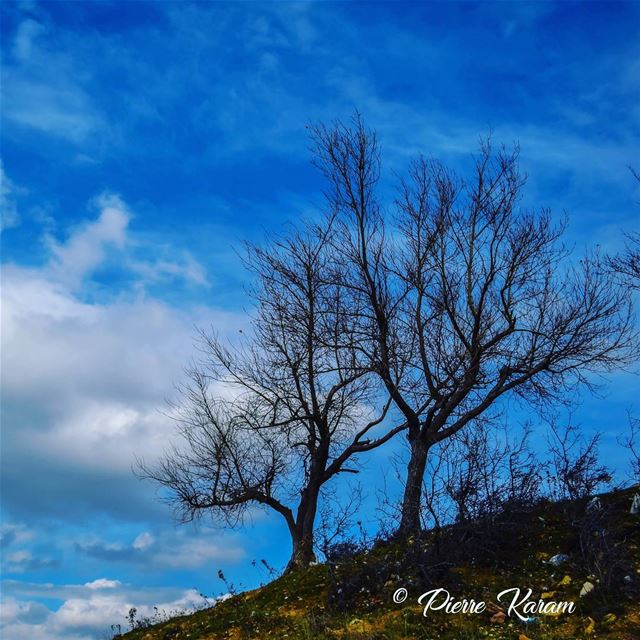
point(631, 442)
point(131, 617)
point(231, 589)
point(273, 573)
point(576, 471)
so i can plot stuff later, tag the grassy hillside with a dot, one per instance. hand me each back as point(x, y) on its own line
point(351, 598)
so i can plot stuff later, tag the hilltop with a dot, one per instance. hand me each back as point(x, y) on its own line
point(558, 550)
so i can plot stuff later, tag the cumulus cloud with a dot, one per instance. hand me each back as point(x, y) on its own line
point(23, 560)
point(85, 379)
point(143, 541)
point(14, 533)
point(87, 611)
point(171, 550)
point(22, 613)
point(86, 247)
point(102, 583)
point(18, 545)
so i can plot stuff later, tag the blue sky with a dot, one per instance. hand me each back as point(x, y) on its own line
point(142, 142)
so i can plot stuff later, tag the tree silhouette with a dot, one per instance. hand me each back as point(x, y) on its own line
point(466, 297)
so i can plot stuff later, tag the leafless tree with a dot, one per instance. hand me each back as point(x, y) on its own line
point(466, 297)
point(478, 473)
point(337, 518)
point(631, 441)
point(627, 264)
point(576, 471)
point(268, 421)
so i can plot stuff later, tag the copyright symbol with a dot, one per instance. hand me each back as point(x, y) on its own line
point(400, 595)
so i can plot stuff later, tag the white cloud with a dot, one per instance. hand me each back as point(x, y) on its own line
point(28, 30)
point(87, 611)
point(143, 541)
point(8, 208)
point(91, 243)
point(16, 557)
point(187, 269)
point(14, 533)
point(170, 550)
point(52, 104)
point(41, 88)
point(85, 382)
point(86, 248)
point(196, 553)
point(102, 583)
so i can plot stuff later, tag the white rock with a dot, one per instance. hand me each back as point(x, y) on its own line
point(594, 504)
point(635, 505)
point(559, 558)
point(587, 587)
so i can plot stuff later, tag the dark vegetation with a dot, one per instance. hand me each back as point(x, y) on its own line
point(350, 596)
point(497, 518)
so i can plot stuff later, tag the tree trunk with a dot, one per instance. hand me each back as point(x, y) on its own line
point(302, 554)
point(410, 519)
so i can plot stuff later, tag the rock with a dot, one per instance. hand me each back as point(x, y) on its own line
point(565, 582)
point(593, 504)
point(498, 618)
point(558, 559)
point(590, 626)
point(635, 505)
point(548, 594)
point(628, 579)
point(587, 587)
point(609, 619)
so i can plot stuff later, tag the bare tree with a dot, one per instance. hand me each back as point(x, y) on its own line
point(295, 399)
point(466, 298)
point(627, 264)
point(337, 518)
point(478, 473)
point(575, 468)
point(631, 441)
